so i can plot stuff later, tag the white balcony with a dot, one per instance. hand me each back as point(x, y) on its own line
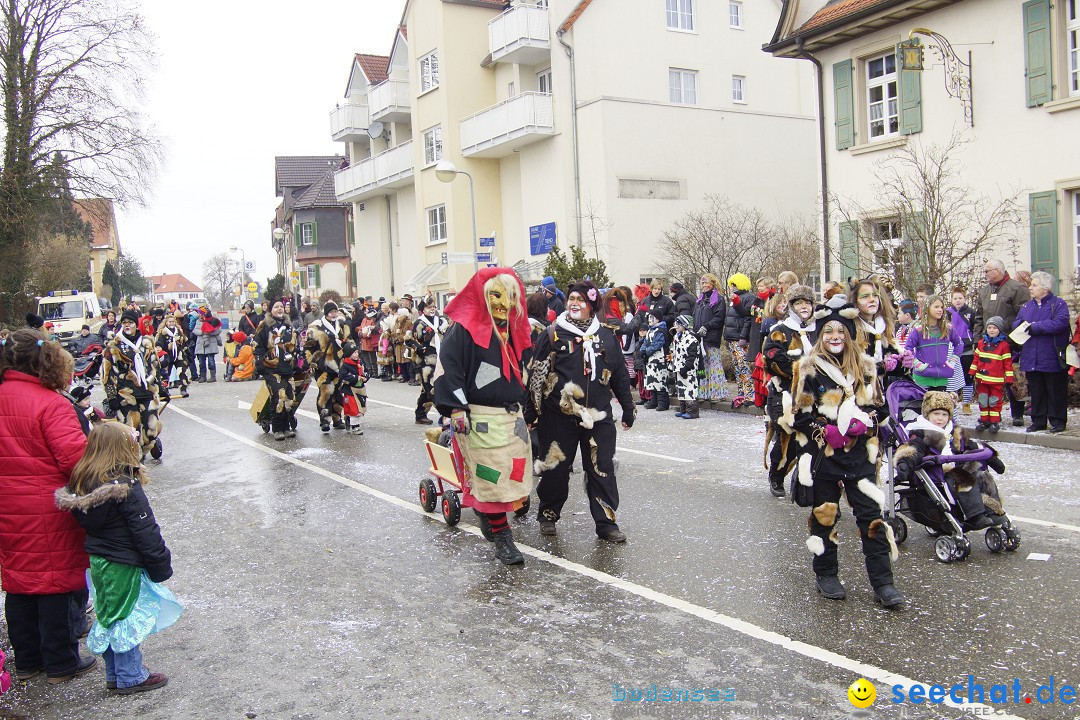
point(349, 123)
point(520, 35)
point(389, 101)
point(508, 126)
point(388, 170)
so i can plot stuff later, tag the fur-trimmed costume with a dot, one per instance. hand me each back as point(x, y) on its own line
point(425, 342)
point(322, 349)
point(786, 343)
point(820, 400)
point(171, 345)
point(275, 361)
point(573, 376)
point(129, 374)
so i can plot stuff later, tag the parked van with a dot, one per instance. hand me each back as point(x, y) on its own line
point(68, 311)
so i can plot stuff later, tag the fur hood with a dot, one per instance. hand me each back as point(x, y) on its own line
point(117, 491)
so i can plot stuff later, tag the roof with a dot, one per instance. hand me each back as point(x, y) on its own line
point(173, 283)
point(297, 171)
point(319, 194)
point(572, 18)
point(99, 212)
point(837, 10)
point(374, 66)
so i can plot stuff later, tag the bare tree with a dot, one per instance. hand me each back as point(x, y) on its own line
point(595, 227)
point(59, 263)
point(926, 225)
point(72, 72)
point(220, 277)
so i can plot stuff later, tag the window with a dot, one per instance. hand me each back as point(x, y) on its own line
point(543, 81)
point(1072, 42)
point(436, 224)
point(312, 276)
point(738, 86)
point(1076, 224)
point(682, 86)
point(888, 241)
point(680, 14)
point(433, 145)
point(511, 89)
point(429, 71)
point(735, 14)
point(307, 234)
point(882, 104)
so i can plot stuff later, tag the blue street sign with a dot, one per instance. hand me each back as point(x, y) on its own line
point(487, 242)
point(541, 238)
point(483, 257)
point(493, 265)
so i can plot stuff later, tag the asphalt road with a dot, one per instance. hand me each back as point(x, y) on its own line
point(315, 587)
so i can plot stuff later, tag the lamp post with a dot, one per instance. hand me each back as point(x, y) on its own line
point(243, 268)
point(446, 171)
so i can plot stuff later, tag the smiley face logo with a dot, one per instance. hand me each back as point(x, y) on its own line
point(862, 693)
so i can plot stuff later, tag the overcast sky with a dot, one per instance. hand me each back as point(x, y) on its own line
point(238, 82)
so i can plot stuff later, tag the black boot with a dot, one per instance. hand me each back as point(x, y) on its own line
point(506, 550)
point(831, 587)
point(485, 526)
point(776, 484)
point(889, 597)
point(651, 403)
point(692, 410)
point(663, 400)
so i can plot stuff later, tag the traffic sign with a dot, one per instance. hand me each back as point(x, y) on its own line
point(483, 257)
point(487, 242)
point(249, 267)
point(458, 258)
point(253, 287)
point(294, 279)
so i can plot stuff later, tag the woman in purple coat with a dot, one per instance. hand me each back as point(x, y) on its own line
point(1045, 317)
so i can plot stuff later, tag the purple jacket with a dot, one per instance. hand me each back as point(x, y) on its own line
point(1049, 332)
point(934, 352)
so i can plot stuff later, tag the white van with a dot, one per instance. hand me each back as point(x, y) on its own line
point(68, 311)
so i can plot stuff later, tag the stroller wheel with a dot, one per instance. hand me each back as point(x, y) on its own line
point(1012, 539)
point(995, 540)
point(899, 528)
point(963, 548)
point(945, 549)
point(524, 509)
point(428, 495)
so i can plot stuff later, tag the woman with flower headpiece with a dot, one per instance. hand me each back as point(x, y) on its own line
point(480, 386)
point(577, 366)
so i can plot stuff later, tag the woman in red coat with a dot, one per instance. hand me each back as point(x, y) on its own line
point(42, 562)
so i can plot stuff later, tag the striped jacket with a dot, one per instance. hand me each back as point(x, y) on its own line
point(993, 362)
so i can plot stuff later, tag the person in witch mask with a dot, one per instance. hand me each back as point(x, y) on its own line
point(130, 378)
point(577, 366)
point(426, 339)
point(838, 405)
point(275, 361)
point(479, 384)
point(170, 344)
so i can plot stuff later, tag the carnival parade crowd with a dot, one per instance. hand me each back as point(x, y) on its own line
point(520, 385)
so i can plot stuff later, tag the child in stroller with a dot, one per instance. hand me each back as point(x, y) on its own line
point(941, 478)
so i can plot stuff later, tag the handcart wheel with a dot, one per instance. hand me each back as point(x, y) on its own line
point(899, 528)
point(265, 427)
point(156, 450)
point(429, 496)
point(995, 540)
point(963, 549)
point(945, 549)
point(524, 509)
point(451, 507)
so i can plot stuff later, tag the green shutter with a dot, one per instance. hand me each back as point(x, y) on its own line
point(916, 250)
point(352, 274)
point(1042, 208)
point(844, 101)
point(303, 277)
point(849, 249)
point(318, 276)
point(314, 233)
point(1037, 64)
point(352, 232)
point(910, 92)
point(296, 234)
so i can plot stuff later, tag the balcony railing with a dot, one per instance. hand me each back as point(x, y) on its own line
point(507, 126)
point(391, 168)
point(349, 123)
point(520, 35)
point(389, 101)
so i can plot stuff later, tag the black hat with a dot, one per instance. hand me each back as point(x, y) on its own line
point(130, 315)
point(348, 348)
point(839, 309)
point(80, 393)
point(329, 307)
point(85, 327)
point(676, 286)
point(656, 312)
point(587, 290)
point(35, 321)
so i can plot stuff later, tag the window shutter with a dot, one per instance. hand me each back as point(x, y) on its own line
point(916, 252)
point(844, 100)
point(1042, 208)
point(1037, 65)
point(318, 276)
point(910, 92)
point(303, 277)
point(849, 249)
point(352, 232)
point(314, 233)
point(352, 274)
point(296, 234)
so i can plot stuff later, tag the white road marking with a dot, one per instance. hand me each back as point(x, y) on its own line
point(743, 627)
point(672, 458)
point(1045, 523)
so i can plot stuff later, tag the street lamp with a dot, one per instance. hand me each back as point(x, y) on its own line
point(446, 171)
point(243, 269)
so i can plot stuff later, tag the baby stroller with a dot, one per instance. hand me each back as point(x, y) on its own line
point(927, 498)
point(87, 365)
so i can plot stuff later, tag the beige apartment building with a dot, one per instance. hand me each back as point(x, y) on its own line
point(1017, 107)
point(588, 123)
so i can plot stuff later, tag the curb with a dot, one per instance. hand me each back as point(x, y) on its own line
point(1041, 439)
